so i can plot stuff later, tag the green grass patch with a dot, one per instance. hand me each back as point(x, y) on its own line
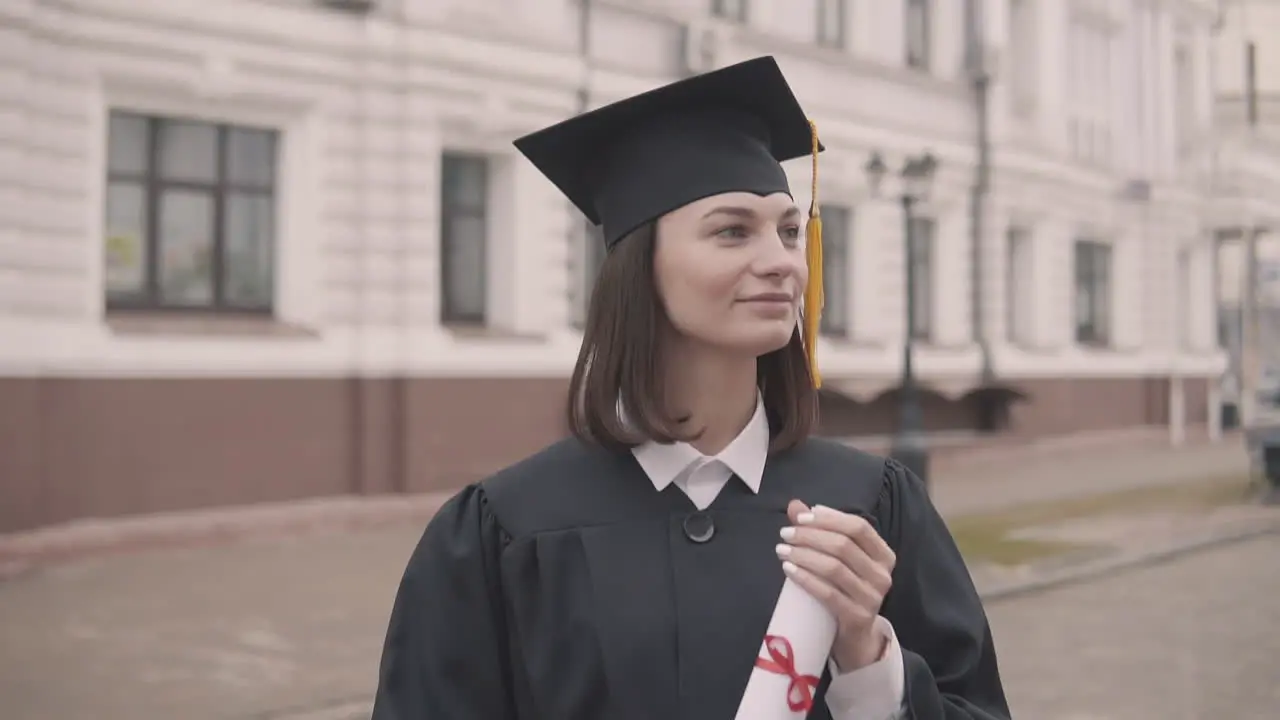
point(985, 537)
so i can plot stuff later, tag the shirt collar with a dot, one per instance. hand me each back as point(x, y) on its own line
point(745, 456)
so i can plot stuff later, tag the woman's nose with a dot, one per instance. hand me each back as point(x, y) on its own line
point(774, 258)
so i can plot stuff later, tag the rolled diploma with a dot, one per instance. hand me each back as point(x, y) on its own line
point(811, 630)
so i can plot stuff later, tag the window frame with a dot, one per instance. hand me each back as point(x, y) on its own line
point(1090, 84)
point(452, 208)
point(153, 184)
point(1096, 329)
point(839, 39)
point(922, 256)
point(1019, 241)
point(1024, 54)
point(918, 58)
point(827, 325)
point(732, 10)
point(1184, 118)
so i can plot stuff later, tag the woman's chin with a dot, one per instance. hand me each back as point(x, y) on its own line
point(761, 338)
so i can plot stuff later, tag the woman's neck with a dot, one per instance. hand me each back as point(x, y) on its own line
point(716, 391)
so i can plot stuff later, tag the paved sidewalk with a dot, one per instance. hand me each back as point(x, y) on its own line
point(289, 626)
point(1074, 472)
point(1195, 638)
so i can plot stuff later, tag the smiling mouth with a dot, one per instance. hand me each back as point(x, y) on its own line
point(769, 299)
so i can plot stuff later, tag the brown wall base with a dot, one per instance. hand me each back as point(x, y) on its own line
point(74, 448)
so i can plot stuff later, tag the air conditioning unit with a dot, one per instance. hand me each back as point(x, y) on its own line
point(701, 47)
point(352, 6)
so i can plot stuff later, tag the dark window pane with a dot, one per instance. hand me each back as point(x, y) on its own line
point(465, 181)
point(126, 144)
point(186, 248)
point(922, 267)
point(465, 268)
point(188, 151)
point(1018, 284)
point(730, 9)
point(831, 22)
point(249, 227)
point(918, 33)
point(464, 195)
point(1092, 292)
point(251, 157)
point(836, 235)
point(126, 233)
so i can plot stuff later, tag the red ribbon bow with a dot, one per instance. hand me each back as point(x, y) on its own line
point(782, 661)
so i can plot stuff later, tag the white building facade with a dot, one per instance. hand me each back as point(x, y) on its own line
point(256, 250)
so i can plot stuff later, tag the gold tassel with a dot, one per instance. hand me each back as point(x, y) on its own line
point(813, 295)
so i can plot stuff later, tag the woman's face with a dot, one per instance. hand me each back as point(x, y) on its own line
point(730, 270)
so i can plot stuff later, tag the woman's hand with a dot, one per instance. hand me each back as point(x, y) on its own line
point(841, 561)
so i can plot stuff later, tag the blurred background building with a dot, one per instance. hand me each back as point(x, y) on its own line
point(1247, 205)
point(258, 250)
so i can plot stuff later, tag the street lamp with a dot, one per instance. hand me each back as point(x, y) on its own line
point(916, 176)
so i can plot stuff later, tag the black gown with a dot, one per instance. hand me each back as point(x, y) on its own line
point(566, 588)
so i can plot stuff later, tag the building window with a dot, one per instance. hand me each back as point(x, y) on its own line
point(1019, 285)
point(735, 10)
point(1184, 111)
point(918, 33)
point(190, 215)
point(1023, 63)
point(921, 259)
point(832, 16)
point(1182, 305)
point(589, 257)
point(1093, 292)
point(1089, 88)
point(464, 219)
point(837, 237)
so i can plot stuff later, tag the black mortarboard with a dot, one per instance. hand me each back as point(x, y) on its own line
point(633, 161)
point(637, 159)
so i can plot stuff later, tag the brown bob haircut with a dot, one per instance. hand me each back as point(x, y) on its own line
point(620, 359)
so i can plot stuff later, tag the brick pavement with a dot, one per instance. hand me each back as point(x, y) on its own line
point(1194, 639)
point(278, 625)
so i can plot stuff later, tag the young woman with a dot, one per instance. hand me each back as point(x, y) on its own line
point(631, 571)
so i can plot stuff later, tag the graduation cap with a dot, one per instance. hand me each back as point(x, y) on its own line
point(729, 130)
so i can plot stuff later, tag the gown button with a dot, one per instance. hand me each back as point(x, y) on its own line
point(699, 527)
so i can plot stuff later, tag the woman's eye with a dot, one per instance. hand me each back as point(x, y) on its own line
point(733, 231)
point(791, 234)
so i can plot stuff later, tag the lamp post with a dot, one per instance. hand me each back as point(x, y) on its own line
point(916, 176)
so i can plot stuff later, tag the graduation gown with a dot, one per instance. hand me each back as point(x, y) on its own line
point(566, 588)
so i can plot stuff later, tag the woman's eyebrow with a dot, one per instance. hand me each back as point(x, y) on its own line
point(734, 210)
point(747, 213)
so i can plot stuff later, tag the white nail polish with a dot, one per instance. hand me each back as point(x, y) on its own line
point(805, 518)
point(787, 533)
point(789, 567)
point(783, 550)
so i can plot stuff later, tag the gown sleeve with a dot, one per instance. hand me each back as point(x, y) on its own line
point(445, 656)
point(948, 654)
